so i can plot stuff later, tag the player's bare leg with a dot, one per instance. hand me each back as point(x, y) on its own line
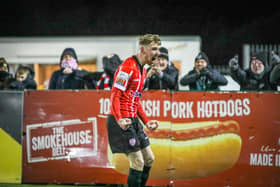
point(149, 158)
point(136, 163)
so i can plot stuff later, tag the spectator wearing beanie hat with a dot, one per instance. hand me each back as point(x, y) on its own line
point(163, 74)
point(256, 77)
point(163, 53)
point(203, 77)
point(69, 76)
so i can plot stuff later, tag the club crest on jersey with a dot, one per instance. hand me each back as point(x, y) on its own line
point(121, 80)
point(135, 94)
point(132, 141)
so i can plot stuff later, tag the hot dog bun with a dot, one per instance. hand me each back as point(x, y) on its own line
point(193, 150)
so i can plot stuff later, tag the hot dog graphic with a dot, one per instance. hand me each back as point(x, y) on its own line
point(189, 150)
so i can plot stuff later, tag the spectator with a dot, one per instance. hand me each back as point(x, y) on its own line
point(104, 80)
point(24, 79)
point(69, 76)
point(163, 74)
point(203, 77)
point(4, 73)
point(256, 77)
point(274, 77)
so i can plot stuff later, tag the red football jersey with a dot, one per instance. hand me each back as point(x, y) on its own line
point(127, 89)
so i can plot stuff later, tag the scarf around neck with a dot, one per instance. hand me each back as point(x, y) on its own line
point(106, 81)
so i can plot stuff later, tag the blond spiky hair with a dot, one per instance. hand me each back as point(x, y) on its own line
point(147, 39)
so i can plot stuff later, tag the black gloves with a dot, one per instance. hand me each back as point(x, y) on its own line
point(233, 63)
point(204, 72)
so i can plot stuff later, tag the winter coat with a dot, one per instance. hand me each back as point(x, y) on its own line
point(4, 78)
point(168, 80)
point(28, 83)
point(275, 75)
point(209, 79)
point(250, 81)
point(59, 80)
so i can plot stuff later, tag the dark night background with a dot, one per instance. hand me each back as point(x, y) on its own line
point(223, 27)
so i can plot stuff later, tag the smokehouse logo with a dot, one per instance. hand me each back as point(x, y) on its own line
point(61, 140)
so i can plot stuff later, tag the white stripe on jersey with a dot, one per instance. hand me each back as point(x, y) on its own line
point(139, 82)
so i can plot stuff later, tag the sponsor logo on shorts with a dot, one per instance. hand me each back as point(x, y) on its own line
point(132, 141)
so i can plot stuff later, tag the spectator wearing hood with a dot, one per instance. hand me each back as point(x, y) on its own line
point(203, 77)
point(24, 79)
point(68, 76)
point(104, 80)
point(256, 77)
point(163, 75)
point(4, 73)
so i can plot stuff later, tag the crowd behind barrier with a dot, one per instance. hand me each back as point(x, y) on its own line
point(55, 138)
point(202, 133)
point(38, 117)
point(263, 73)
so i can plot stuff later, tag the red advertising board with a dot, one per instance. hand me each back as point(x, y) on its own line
point(204, 138)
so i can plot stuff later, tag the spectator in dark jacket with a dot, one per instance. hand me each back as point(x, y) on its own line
point(163, 75)
point(24, 79)
point(69, 76)
point(203, 77)
point(274, 77)
point(256, 77)
point(4, 73)
point(104, 80)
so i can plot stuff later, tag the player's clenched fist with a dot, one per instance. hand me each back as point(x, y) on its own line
point(124, 123)
point(152, 125)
